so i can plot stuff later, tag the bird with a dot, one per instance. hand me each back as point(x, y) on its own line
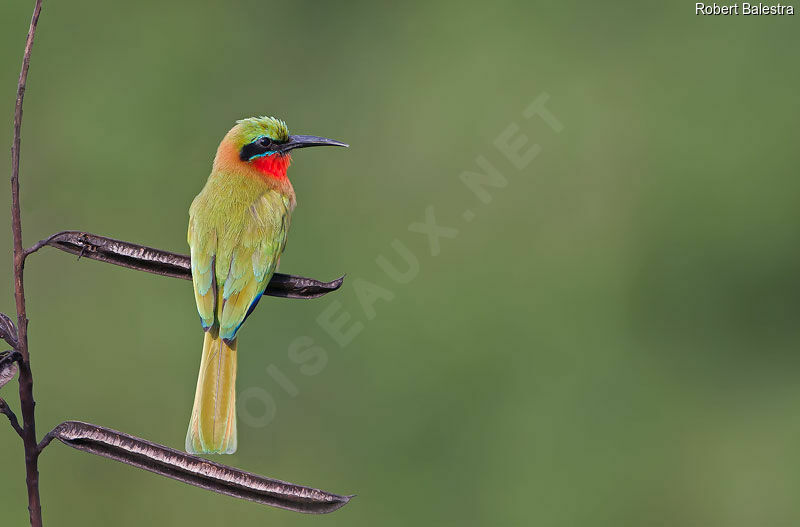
point(238, 225)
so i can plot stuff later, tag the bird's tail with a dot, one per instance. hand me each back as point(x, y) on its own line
point(212, 428)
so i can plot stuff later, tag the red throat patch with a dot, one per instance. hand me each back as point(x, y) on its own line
point(273, 166)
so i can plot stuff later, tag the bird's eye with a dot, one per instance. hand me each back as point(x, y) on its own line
point(265, 142)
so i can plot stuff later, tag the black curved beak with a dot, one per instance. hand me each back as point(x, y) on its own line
point(304, 141)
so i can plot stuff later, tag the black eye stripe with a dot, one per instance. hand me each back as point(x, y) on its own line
point(251, 149)
point(257, 147)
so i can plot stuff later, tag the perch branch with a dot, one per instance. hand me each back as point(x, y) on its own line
point(165, 263)
point(25, 378)
point(193, 470)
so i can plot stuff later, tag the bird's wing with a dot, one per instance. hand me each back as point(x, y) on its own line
point(245, 269)
point(203, 243)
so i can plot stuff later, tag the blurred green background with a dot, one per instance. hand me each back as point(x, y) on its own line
point(612, 340)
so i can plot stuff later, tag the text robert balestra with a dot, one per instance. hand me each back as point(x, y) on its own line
point(743, 9)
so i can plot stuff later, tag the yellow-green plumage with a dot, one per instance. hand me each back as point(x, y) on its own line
point(237, 231)
point(238, 226)
point(212, 429)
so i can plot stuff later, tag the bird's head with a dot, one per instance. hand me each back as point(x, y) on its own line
point(265, 143)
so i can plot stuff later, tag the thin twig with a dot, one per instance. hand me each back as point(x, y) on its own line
point(38, 245)
point(12, 417)
point(25, 378)
point(48, 437)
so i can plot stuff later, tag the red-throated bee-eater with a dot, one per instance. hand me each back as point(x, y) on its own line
point(237, 231)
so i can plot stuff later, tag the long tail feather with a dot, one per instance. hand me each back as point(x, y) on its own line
point(212, 428)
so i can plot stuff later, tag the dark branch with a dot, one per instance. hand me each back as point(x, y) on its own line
point(12, 417)
point(165, 263)
point(193, 470)
point(4, 409)
point(27, 403)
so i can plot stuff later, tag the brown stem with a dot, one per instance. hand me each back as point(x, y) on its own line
point(12, 417)
point(25, 378)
